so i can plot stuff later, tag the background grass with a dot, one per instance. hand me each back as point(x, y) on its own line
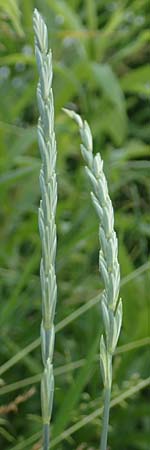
point(100, 54)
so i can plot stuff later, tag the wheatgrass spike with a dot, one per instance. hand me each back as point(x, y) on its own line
point(47, 211)
point(108, 264)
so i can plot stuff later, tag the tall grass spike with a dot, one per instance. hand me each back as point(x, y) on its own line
point(109, 267)
point(47, 211)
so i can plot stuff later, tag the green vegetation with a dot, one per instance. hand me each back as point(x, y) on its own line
point(100, 54)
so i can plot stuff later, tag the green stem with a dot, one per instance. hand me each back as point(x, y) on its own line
point(105, 421)
point(46, 437)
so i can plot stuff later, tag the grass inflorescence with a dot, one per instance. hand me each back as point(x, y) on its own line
point(108, 264)
point(47, 211)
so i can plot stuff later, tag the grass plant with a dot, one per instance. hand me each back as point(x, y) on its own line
point(108, 264)
point(101, 64)
point(47, 211)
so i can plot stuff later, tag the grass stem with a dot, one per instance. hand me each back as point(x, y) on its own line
point(105, 420)
point(46, 436)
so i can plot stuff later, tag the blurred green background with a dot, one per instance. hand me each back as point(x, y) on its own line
point(100, 54)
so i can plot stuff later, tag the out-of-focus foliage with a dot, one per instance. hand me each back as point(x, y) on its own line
point(101, 69)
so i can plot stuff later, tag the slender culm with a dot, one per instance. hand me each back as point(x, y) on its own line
point(47, 211)
point(108, 265)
